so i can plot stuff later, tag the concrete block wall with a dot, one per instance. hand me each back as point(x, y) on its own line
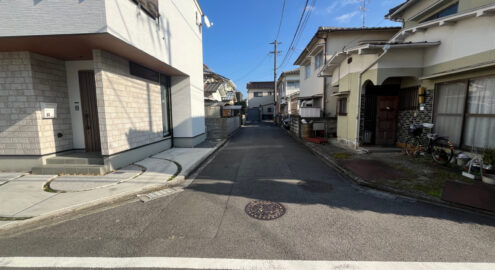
point(129, 107)
point(221, 128)
point(26, 79)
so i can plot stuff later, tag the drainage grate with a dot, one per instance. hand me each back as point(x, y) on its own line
point(315, 186)
point(265, 210)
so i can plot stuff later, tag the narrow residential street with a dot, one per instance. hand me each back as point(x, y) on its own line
point(261, 162)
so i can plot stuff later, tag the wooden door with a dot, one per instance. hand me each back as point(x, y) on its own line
point(89, 110)
point(386, 120)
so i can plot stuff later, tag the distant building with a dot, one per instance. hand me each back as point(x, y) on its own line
point(218, 88)
point(239, 96)
point(261, 97)
point(287, 89)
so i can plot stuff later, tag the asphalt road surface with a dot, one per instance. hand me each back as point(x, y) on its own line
point(338, 222)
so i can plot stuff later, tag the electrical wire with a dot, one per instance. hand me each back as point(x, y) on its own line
point(253, 69)
point(281, 20)
point(296, 32)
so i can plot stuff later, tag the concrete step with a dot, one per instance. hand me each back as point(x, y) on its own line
point(69, 169)
point(75, 160)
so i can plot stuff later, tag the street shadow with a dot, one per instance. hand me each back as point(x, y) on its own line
point(272, 166)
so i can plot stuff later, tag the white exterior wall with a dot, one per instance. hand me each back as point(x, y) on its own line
point(254, 102)
point(336, 41)
point(54, 17)
point(176, 40)
point(466, 37)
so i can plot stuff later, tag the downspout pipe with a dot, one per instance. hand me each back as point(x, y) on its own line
point(358, 98)
point(324, 105)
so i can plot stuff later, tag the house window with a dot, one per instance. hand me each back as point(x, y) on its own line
point(408, 99)
point(465, 112)
point(143, 72)
point(342, 106)
point(269, 110)
point(318, 60)
point(293, 84)
point(258, 94)
point(150, 7)
point(307, 70)
point(445, 12)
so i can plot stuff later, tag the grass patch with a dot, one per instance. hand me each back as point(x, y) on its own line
point(13, 218)
point(341, 155)
point(47, 188)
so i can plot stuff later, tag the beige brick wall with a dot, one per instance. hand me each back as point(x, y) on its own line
point(129, 107)
point(27, 79)
point(50, 85)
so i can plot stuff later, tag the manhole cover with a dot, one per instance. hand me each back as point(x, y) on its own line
point(315, 186)
point(265, 210)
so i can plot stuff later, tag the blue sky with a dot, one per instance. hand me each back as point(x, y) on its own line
point(236, 46)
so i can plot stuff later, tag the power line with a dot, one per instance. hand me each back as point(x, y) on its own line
point(281, 19)
point(295, 33)
point(298, 35)
point(254, 69)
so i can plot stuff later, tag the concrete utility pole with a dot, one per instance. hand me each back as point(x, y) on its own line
point(275, 53)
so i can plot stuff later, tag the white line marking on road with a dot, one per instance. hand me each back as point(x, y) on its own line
point(211, 263)
point(159, 194)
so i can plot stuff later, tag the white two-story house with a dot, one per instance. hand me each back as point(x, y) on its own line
point(261, 98)
point(287, 93)
point(316, 91)
point(120, 79)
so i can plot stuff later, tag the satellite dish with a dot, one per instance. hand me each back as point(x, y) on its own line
point(207, 22)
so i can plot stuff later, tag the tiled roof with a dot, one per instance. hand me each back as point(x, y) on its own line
point(291, 72)
point(212, 87)
point(260, 85)
point(342, 29)
point(328, 29)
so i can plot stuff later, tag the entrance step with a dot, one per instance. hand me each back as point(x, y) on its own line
point(70, 169)
point(66, 160)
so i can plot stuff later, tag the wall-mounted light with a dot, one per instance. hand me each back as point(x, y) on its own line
point(421, 95)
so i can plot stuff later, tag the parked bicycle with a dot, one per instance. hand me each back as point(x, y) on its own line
point(440, 148)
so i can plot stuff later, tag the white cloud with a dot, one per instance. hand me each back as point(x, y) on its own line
point(332, 7)
point(337, 4)
point(344, 18)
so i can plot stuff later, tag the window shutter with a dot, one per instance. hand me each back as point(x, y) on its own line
point(150, 7)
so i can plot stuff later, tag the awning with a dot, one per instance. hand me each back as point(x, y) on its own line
point(343, 93)
point(233, 107)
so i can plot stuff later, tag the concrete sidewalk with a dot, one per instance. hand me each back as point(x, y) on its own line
point(26, 198)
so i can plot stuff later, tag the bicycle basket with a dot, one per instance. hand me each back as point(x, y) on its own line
point(415, 130)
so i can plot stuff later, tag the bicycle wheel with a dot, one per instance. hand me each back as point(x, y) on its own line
point(413, 146)
point(442, 151)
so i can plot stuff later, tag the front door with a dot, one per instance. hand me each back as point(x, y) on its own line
point(89, 110)
point(386, 120)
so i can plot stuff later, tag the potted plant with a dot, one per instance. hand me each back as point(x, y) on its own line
point(489, 166)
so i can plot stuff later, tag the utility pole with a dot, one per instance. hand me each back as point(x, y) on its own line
point(275, 43)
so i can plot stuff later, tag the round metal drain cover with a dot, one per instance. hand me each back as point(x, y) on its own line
point(264, 210)
point(315, 186)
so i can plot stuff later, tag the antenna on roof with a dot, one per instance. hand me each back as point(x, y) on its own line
point(364, 10)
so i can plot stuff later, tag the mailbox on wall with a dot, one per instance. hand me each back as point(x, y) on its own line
point(48, 110)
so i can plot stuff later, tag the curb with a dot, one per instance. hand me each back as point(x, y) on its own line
point(61, 215)
point(363, 183)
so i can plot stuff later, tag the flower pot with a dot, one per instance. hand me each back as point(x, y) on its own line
point(488, 179)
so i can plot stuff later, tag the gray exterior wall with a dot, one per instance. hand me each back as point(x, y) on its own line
point(26, 80)
point(221, 128)
point(129, 108)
